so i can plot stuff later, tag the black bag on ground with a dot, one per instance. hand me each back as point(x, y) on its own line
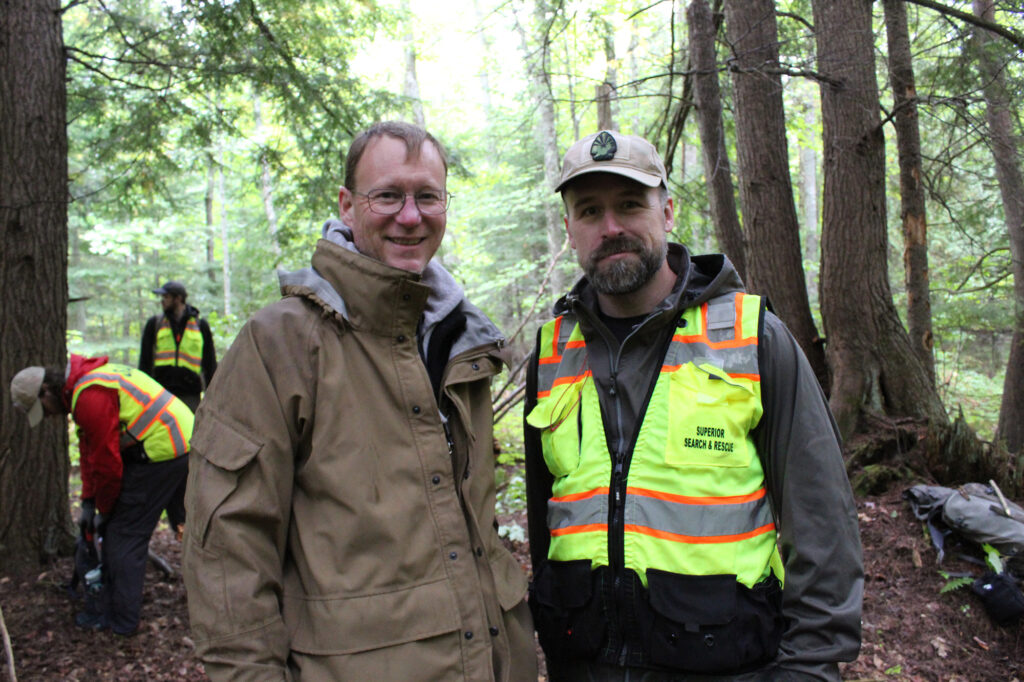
point(1003, 600)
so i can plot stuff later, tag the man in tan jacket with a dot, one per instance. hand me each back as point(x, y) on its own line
point(341, 491)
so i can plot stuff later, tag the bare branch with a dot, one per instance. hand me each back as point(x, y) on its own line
point(1011, 35)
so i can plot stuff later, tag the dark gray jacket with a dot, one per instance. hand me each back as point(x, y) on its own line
point(796, 438)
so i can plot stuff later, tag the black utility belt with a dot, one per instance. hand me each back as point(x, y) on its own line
point(709, 624)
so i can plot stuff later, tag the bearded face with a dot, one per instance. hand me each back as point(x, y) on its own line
point(628, 274)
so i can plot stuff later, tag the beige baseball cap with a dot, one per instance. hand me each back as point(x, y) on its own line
point(611, 152)
point(25, 388)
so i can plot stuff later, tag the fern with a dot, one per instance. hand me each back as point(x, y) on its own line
point(954, 583)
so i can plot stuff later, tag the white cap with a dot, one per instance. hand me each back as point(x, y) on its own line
point(25, 387)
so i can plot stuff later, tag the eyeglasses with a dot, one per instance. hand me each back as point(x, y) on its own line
point(391, 201)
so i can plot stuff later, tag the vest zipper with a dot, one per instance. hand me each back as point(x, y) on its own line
point(623, 607)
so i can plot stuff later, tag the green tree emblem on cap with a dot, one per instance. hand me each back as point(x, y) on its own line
point(604, 147)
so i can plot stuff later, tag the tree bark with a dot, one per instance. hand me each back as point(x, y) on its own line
point(874, 369)
point(1006, 153)
point(912, 196)
point(35, 522)
point(708, 100)
point(775, 262)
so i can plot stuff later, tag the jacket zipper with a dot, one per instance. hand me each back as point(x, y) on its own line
point(621, 460)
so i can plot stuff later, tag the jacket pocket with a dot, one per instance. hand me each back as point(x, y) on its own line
point(331, 626)
point(219, 453)
point(710, 415)
point(565, 599)
point(509, 579)
point(710, 623)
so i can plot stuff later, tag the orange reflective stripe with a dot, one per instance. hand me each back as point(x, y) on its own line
point(688, 499)
point(555, 356)
point(565, 380)
point(586, 528)
point(696, 539)
point(581, 496)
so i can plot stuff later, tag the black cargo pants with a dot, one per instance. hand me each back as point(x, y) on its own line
point(146, 489)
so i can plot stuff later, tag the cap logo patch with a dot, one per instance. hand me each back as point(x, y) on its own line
point(604, 147)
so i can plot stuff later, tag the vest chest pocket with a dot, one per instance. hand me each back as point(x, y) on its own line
point(557, 416)
point(709, 416)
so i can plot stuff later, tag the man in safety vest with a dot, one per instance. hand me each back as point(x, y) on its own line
point(177, 346)
point(689, 511)
point(133, 444)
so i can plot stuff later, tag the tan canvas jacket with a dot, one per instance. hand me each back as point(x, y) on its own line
point(331, 534)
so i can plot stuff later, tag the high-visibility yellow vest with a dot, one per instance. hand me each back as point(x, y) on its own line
point(695, 498)
point(186, 352)
point(148, 412)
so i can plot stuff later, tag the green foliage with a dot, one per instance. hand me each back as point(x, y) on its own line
point(993, 558)
point(181, 116)
point(954, 583)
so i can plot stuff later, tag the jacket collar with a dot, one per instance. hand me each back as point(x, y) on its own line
point(371, 296)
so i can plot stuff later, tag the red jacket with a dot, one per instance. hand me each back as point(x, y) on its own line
point(97, 416)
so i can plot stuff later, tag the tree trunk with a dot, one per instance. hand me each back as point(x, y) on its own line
point(225, 239)
point(717, 172)
point(266, 183)
point(211, 188)
point(35, 523)
point(809, 191)
point(546, 135)
point(607, 92)
point(912, 195)
point(874, 369)
point(411, 86)
point(1006, 153)
point(775, 262)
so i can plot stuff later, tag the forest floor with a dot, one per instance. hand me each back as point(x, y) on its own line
point(911, 631)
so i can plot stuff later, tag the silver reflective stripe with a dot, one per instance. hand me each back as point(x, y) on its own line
point(740, 360)
point(589, 510)
point(177, 437)
point(150, 413)
point(698, 520)
point(722, 318)
point(721, 313)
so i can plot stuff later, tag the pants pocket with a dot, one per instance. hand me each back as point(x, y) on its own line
point(710, 623)
point(566, 605)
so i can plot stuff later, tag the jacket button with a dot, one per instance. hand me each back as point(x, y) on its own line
point(476, 365)
point(469, 634)
point(406, 297)
point(400, 338)
point(453, 555)
point(709, 640)
point(415, 409)
point(436, 479)
point(479, 551)
point(493, 630)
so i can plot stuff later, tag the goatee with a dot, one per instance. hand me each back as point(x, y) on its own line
point(626, 275)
